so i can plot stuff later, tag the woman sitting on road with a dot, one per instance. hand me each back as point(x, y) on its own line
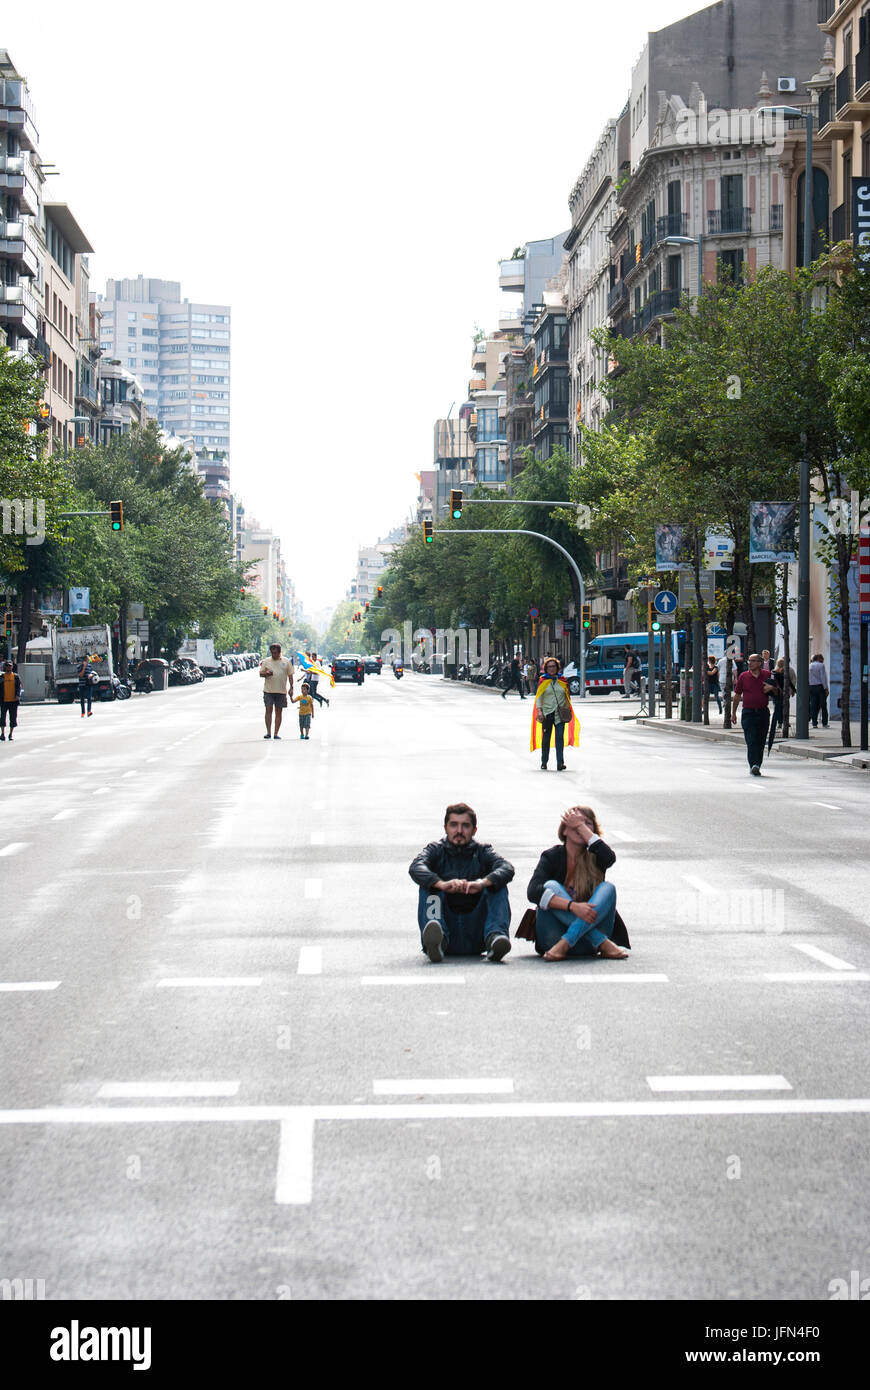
point(576, 909)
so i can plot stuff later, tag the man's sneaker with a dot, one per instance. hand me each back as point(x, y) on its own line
point(755, 770)
point(433, 942)
point(497, 947)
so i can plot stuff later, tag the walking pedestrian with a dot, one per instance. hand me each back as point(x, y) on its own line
point(754, 689)
point(778, 680)
point(276, 672)
point(713, 681)
point(630, 673)
point(306, 709)
point(515, 680)
point(576, 913)
point(312, 676)
point(553, 712)
point(462, 905)
point(819, 690)
point(86, 685)
point(11, 693)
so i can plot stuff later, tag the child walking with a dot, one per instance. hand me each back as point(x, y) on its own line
point(306, 709)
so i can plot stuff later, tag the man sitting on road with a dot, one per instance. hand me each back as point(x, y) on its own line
point(463, 905)
point(276, 672)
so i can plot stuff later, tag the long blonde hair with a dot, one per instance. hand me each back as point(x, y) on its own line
point(587, 873)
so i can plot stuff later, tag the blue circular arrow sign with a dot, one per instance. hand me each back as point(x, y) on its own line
point(665, 601)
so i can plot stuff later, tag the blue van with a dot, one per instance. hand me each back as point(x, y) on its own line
point(605, 659)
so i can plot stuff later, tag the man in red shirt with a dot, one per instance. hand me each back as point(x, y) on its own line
point(753, 687)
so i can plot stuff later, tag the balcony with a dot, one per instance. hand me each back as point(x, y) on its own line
point(512, 275)
point(615, 295)
point(18, 243)
point(478, 356)
point(477, 383)
point(862, 75)
point(16, 112)
point(839, 226)
point(88, 394)
point(40, 349)
point(844, 88)
point(19, 308)
point(672, 224)
point(551, 354)
point(728, 221)
point(661, 303)
point(18, 178)
point(776, 217)
point(511, 321)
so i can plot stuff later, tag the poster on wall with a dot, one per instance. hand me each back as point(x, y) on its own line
point(771, 533)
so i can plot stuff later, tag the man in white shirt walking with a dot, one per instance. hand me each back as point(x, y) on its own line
point(818, 691)
point(276, 672)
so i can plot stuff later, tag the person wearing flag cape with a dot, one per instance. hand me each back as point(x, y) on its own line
point(553, 713)
point(312, 670)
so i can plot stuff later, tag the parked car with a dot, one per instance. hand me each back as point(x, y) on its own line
point(349, 666)
point(373, 665)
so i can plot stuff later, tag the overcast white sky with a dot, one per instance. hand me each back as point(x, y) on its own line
point(347, 177)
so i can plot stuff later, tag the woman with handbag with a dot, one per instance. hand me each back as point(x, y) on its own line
point(553, 712)
point(576, 913)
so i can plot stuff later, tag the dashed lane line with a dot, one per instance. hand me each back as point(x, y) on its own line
point(824, 957)
point(14, 848)
point(22, 986)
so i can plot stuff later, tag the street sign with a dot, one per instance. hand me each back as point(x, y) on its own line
point(66, 620)
point(707, 579)
point(665, 601)
point(667, 618)
point(533, 612)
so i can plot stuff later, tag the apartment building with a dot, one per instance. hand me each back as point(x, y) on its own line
point(65, 273)
point(844, 106)
point(22, 249)
point(452, 456)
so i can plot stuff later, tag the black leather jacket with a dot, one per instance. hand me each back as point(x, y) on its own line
point(442, 860)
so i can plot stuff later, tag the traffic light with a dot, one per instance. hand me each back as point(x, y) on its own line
point(242, 593)
point(367, 605)
point(265, 610)
point(380, 591)
point(427, 532)
point(7, 624)
point(586, 616)
point(456, 503)
point(116, 511)
point(653, 624)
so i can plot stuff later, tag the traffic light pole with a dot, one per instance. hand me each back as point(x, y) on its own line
point(539, 535)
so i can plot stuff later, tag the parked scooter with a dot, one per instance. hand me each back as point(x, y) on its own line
point(122, 689)
point(143, 683)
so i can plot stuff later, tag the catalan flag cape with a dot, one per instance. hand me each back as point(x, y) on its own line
point(312, 666)
point(572, 725)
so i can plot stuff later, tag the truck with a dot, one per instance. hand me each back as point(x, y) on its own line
point(68, 646)
point(200, 650)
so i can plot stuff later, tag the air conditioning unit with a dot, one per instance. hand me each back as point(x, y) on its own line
point(786, 84)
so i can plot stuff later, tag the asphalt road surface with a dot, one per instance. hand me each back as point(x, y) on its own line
point(229, 1072)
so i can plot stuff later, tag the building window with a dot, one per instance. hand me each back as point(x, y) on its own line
point(732, 266)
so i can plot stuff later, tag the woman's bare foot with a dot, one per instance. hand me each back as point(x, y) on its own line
point(559, 951)
point(611, 952)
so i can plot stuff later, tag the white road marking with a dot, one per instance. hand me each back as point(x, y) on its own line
point(310, 960)
point(318, 837)
point(215, 982)
point(28, 985)
point(622, 836)
point(65, 815)
point(129, 774)
point(827, 805)
point(314, 888)
point(129, 1090)
point(614, 979)
point(101, 791)
point(424, 978)
point(700, 884)
point(808, 976)
point(451, 1086)
point(823, 956)
point(14, 848)
point(295, 1178)
point(718, 1083)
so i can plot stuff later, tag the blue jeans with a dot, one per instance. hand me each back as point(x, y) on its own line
point(86, 691)
point(465, 933)
point(585, 937)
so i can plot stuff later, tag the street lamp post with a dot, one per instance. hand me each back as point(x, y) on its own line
point(802, 703)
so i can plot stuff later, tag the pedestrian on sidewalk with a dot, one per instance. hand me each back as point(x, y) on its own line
point(819, 691)
point(11, 693)
point(576, 913)
point(778, 680)
point(462, 905)
point(276, 672)
point(713, 681)
point(754, 688)
point(86, 685)
point(515, 680)
point(553, 712)
point(306, 709)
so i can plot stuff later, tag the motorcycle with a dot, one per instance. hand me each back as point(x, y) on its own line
point(398, 672)
point(121, 689)
point(143, 683)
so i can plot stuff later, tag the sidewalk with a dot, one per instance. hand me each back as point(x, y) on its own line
point(823, 745)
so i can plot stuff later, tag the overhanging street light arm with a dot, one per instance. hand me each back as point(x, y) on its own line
point(539, 535)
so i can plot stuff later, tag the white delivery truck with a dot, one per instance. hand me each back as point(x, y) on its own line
point(200, 650)
point(69, 645)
